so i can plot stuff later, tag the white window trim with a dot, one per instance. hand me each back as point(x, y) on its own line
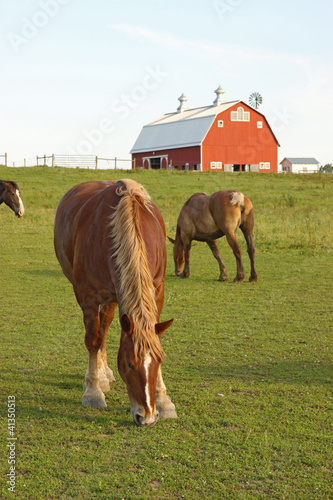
point(259, 124)
point(212, 165)
point(220, 123)
point(219, 165)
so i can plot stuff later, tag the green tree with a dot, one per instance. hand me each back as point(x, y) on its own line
point(327, 168)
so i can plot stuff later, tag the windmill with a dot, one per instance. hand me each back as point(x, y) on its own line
point(255, 100)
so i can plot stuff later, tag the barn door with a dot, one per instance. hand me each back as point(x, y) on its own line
point(155, 163)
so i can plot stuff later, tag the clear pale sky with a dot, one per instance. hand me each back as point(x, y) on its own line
point(85, 76)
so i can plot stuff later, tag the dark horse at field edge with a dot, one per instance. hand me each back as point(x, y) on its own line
point(109, 239)
point(206, 218)
point(10, 195)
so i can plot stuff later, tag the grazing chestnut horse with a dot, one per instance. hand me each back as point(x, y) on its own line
point(10, 194)
point(109, 239)
point(206, 218)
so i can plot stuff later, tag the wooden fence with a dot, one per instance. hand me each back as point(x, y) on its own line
point(5, 157)
point(82, 161)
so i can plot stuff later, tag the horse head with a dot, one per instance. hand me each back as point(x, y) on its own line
point(178, 254)
point(11, 196)
point(140, 372)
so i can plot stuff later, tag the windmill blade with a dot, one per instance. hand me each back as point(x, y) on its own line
point(255, 100)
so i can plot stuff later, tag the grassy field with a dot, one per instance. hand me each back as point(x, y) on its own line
point(248, 366)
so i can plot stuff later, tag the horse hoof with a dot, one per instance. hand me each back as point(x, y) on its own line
point(253, 279)
point(223, 278)
point(94, 401)
point(166, 408)
point(164, 414)
point(238, 280)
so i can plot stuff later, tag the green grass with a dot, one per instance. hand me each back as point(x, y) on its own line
point(248, 366)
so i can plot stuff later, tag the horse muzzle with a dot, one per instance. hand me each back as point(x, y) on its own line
point(144, 420)
point(20, 212)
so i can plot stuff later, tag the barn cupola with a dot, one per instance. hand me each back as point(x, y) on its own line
point(219, 96)
point(182, 106)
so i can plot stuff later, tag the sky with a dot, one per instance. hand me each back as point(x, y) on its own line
point(84, 76)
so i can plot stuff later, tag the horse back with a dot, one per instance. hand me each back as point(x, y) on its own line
point(83, 239)
point(230, 209)
point(195, 221)
point(75, 229)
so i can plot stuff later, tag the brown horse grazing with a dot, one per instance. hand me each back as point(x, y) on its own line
point(11, 195)
point(206, 218)
point(109, 239)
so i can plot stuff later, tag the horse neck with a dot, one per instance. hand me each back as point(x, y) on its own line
point(136, 288)
point(178, 238)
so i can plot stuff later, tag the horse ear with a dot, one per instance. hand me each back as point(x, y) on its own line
point(161, 327)
point(126, 324)
point(171, 240)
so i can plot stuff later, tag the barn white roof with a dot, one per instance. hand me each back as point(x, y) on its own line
point(178, 130)
point(302, 161)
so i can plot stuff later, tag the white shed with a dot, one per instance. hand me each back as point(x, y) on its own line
point(300, 165)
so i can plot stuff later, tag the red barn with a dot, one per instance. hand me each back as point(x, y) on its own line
point(226, 136)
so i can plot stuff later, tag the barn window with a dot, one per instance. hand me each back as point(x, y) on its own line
point(259, 124)
point(220, 123)
point(212, 164)
point(264, 165)
point(240, 115)
point(219, 164)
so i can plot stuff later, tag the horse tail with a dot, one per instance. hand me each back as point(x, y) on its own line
point(134, 192)
point(137, 291)
point(247, 216)
point(237, 198)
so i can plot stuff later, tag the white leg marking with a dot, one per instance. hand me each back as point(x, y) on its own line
point(146, 364)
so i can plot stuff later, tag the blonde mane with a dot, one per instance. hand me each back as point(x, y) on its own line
point(137, 291)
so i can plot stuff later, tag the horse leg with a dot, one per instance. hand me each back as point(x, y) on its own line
point(231, 238)
point(106, 315)
point(187, 250)
point(216, 252)
point(93, 395)
point(164, 405)
point(251, 251)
